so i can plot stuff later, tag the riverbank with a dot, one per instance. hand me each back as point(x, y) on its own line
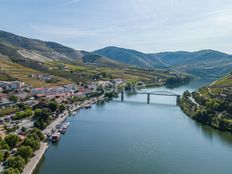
point(32, 164)
point(206, 114)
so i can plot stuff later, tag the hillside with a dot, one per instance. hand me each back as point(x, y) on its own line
point(50, 50)
point(201, 63)
point(19, 48)
point(14, 71)
point(211, 105)
point(101, 61)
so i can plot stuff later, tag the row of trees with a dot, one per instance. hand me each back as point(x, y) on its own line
point(15, 162)
point(23, 114)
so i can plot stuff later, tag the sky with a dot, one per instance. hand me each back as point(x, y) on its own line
point(144, 25)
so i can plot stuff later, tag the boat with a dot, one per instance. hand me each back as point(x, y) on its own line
point(56, 136)
point(88, 106)
point(74, 113)
point(66, 124)
point(59, 128)
point(65, 127)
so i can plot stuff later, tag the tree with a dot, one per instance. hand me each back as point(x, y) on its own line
point(18, 115)
point(1, 156)
point(25, 152)
point(11, 171)
point(62, 108)
point(187, 94)
point(6, 155)
point(5, 146)
point(43, 118)
point(36, 134)
point(12, 140)
point(42, 114)
point(16, 162)
point(13, 98)
point(1, 142)
point(28, 113)
point(53, 105)
point(34, 144)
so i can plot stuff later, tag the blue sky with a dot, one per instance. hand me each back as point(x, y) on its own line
point(145, 25)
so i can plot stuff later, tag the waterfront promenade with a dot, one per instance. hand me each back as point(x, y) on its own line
point(32, 164)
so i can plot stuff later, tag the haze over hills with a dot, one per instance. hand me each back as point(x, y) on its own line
point(199, 63)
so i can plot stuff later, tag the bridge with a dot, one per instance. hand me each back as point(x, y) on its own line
point(159, 93)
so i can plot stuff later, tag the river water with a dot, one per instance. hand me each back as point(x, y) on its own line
point(135, 138)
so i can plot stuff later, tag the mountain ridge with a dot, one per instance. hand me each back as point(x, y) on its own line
point(204, 61)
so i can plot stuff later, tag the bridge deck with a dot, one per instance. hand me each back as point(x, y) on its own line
point(146, 93)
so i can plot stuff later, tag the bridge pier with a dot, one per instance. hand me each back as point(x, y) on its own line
point(122, 96)
point(177, 99)
point(148, 98)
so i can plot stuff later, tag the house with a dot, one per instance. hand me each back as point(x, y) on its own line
point(11, 85)
point(44, 77)
point(3, 98)
point(118, 81)
point(36, 91)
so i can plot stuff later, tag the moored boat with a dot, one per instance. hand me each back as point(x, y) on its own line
point(88, 106)
point(56, 136)
point(65, 127)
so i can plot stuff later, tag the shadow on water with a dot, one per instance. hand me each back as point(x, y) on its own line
point(43, 159)
point(144, 103)
point(211, 133)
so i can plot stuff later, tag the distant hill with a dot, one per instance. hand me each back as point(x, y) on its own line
point(204, 62)
point(132, 57)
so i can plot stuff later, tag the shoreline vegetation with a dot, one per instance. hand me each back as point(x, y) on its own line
point(211, 105)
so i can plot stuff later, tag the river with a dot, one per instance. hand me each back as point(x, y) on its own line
point(135, 138)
